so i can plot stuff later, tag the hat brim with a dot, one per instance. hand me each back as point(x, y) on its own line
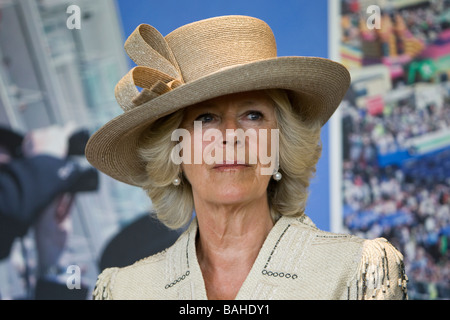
point(318, 86)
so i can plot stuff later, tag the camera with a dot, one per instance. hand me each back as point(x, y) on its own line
point(88, 179)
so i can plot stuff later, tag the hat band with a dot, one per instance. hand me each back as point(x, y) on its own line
point(153, 83)
point(157, 72)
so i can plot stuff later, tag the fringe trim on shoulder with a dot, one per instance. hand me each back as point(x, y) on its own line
point(103, 287)
point(381, 273)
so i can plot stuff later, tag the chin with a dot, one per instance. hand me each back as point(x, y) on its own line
point(236, 193)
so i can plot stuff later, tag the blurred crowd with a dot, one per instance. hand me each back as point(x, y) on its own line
point(370, 135)
point(390, 189)
point(424, 23)
point(407, 203)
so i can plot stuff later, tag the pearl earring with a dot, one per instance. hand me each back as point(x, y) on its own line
point(277, 176)
point(176, 181)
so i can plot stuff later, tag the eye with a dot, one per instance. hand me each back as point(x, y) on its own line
point(254, 115)
point(205, 117)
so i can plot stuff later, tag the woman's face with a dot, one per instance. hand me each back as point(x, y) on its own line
point(235, 139)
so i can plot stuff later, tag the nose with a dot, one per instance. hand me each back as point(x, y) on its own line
point(229, 126)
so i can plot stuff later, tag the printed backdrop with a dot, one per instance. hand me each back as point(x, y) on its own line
point(395, 124)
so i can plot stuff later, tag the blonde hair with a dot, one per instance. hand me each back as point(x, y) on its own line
point(299, 152)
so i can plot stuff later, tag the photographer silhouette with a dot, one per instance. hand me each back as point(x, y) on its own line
point(39, 178)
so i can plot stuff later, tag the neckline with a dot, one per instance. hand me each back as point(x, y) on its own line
point(259, 266)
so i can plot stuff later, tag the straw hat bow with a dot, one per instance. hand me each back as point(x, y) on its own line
point(200, 61)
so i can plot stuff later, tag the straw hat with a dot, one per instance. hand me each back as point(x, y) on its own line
point(198, 62)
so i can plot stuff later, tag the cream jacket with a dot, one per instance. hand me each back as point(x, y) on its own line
point(296, 261)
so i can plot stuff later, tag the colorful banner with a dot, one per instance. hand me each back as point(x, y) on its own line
point(395, 133)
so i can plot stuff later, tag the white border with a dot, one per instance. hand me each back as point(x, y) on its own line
point(335, 125)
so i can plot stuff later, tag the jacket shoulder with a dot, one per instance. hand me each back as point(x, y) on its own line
point(381, 272)
point(374, 268)
point(326, 238)
point(112, 282)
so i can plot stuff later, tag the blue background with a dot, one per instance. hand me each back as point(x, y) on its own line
point(300, 28)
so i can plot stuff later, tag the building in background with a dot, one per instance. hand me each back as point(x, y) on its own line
point(52, 73)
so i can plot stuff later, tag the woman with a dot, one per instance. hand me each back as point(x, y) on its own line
point(228, 130)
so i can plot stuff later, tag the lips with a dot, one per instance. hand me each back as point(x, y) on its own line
point(231, 165)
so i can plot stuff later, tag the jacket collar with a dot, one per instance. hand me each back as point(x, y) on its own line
point(185, 279)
